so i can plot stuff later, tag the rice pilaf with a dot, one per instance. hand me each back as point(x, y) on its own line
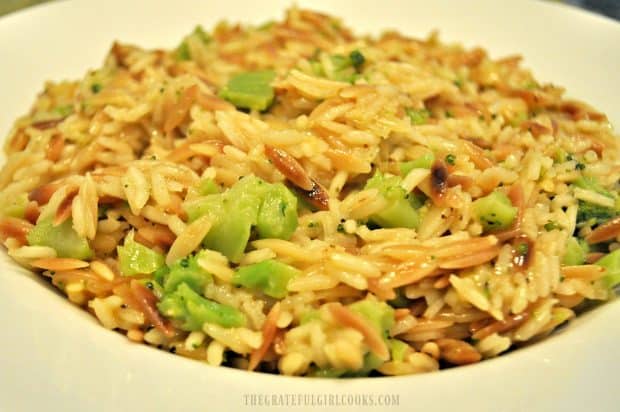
point(293, 199)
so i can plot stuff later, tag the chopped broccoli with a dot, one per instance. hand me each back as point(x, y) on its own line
point(134, 258)
point(594, 214)
point(269, 276)
point(344, 68)
point(64, 111)
point(182, 52)
point(277, 215)
point(14, 206)
point(201, 34)
point(398, 212)
point(591, 183)
point(611, 263)
point(423, 162)
point(371, 362)
point(191, 311)
point(63, 238)
point(328, 373)
point(398, 349)
point(250, 90)
point(208, 187)
point(266, 25)
point(561, 156)
point(590, 212)
point(400, 301)
point(551, 225)
point(186, 271)
point(418, 117)
point(417, 199)
point(357, 59)
point(380, 314)
point(309, 316)
point(576, 251)
point(494, 211)
point(271, 208)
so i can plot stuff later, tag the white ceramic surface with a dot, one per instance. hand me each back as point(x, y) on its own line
point(55, 357)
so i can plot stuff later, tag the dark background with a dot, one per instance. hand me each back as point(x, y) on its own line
point(610, 8)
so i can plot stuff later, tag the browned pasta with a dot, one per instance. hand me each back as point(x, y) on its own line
point(297, 199)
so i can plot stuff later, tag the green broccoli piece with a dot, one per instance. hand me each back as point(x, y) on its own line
point(231, 229)
point(576, 251)
point(418, 117)
point(63, 238)
point(398, 212)
point(208, 187)
point(398, 349)
point(344, 68)
point(328, 373)
point(232, 214)
point(592, 184)
point(277, 215)
point(380, 314)
point(134, 258)
point(250, 90)
point(495, 211)
point(182, 52)
point(594, 214)
point(423, 162)
point(309, 316)
point(611, 263)
point(357, 59)
point(64, 111)
point(190, 311)
point(186, 271)
point(14, 206)
point(269, 276)
point(271, 208)
point(400, 301)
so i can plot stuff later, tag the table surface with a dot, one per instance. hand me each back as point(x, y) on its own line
point(610, 8)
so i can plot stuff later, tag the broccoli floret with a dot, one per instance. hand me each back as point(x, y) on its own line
point(379, 314)
point(250, 90)
point(357, 59)
point(269, 276)
point(594, 214)
point(343, 68)
point(418, 117)
point(611, 264)
point(135, 259)
point(182, 52)
point(590, 183)
point(576, 251)
point(186, 271)
point(423, 162)
point(495, 211)
point(590, 212)
point(190, 311)
point(398, 211)
point(251, 202)
point(63, 238)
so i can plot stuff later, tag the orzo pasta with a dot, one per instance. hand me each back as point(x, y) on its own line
point(291, 198)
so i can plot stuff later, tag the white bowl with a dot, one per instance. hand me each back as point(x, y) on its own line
point(55, 357)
